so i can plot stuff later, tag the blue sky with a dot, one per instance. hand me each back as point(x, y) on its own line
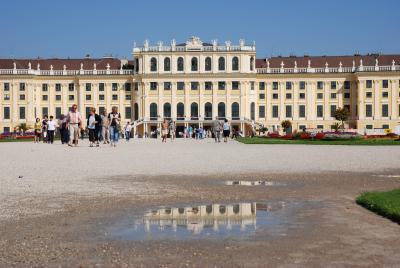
point(73, 28)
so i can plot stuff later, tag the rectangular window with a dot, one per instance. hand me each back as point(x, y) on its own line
point(87, 110)
point(136, 84)
point(101, 87)
point(101, 97)
point(45, 111)
point(368, 94)
point(6, 96)
point(288, 85)
point(235, 85)
point(333, 110)
point(347, 95)
point(114, 86)
point(45, 87)
point(302, 127)
point(368, 110)
point(252, 85)
point(88, 97)
point(45, 97)
point(180, 85)
point(21, 112)
point(6, 113)
point(102, 109)
point(368, 84)
point(128, 112)
point(385, 94)
point(320, 96)
point(302, 96)
point(302, 85)
point(369, 126)
point(302, 111)
point(71, 87)
point(385, 83)
point(261, 85)
point(114, 97)
point(71, 97)
point(320, 85)
point(274, 85)
point(275, 111)
point(333, 95)
point(221, 85)
point(153, 85)
point(320, 126)
point(127, 86)
point(88, 86)
point(346, 84)
point(275, 96)
point(262, 96)
point(22, 86)
point(320, 110)
point(6, 86)
point(194, 85)
point(58, 97)
point(261, 111)
point(22, 97)
point(385, 110)
point(385, 126)
point(288, 96)
point(58, 87)
point(347, 107)
point(333, 84)
point(288, 111)
point(167, 86)
point(128, 97)
point(58, 112)
point(208, 85)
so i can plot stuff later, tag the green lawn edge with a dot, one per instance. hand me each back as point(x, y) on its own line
point(371, 142)
point(386, 204)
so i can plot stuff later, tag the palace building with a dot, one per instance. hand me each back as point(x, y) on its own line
point(195, 81)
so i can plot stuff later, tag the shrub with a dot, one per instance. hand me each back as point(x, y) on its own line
point(288, 137)
point(274, 135)
point(319, 136)
point(305, 136)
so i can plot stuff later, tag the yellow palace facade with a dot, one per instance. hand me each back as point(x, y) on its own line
point(194, 82)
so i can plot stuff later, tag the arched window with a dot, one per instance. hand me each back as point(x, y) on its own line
point(136, 111)
point(221, 110)
point(153, 64)
point(179, 64)
point(235, 111)
point(167, 110)
point(207, 64)
point(221, 64)
point(180, 111)
point(167, 64)
point(253, 111)
point(153, 111)
point(194, 111)
point(251, 63)
point(235, 64)
point(208, 111)
point(195, 65)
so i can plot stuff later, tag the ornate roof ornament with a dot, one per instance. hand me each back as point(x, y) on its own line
point(376, 62)
point(29, 65)
point(309, 64)
point(38, 67)
point(94, 66)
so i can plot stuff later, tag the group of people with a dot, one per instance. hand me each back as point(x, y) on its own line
point(100, 128)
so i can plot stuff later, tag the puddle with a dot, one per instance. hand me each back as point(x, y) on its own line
point(254, 183)
point(387, 176)
point(206, 221)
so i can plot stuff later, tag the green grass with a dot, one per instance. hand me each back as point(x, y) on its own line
point(16, 140)
point(260, 140)
point(386, 204)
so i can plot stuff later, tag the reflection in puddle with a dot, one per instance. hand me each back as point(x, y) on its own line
point(214, 220)
point(254, 183)
point(387, 176)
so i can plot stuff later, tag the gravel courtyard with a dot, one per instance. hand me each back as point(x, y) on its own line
point(57, 203)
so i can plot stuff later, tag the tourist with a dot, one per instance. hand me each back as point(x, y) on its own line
point(73, 121)
point(62, 123)
point(51, 128)
point(38, 130)
point(92, 121)
point(226, 130)
point(44, 128)
point(164, 130)
point(128, 130)
point(172, 129)
point(217, 130)
point(114, 125)
point(190, 130)
point(105, 127)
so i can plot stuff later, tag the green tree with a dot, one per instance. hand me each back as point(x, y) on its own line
point(342, 115)
point(286, 125)
point(23, 127)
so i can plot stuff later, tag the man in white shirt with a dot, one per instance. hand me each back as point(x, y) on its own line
point(74, 120)
point(51, 128)
point(128, 129)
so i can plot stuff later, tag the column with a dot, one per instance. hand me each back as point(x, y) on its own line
point(81, 98)
point(393, 96)
point(360, 93)
point(187, 100)
point(30, 109)
point(268, 97)
point(64, 97)
point(281, 101)
point(311, 104)
point(228, 108)
point(377, 103)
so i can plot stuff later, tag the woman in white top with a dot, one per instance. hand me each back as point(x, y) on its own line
point(51, 128)
point(227, 130)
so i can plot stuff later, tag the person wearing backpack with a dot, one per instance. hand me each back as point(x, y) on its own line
point(114, 119)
